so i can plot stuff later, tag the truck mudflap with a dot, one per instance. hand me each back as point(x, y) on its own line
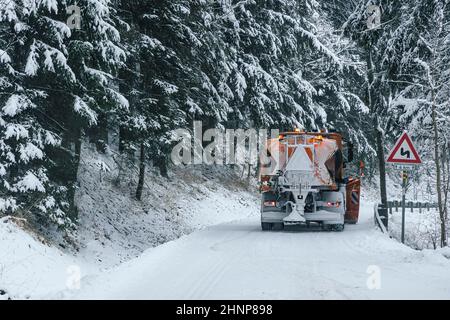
point(353, 194)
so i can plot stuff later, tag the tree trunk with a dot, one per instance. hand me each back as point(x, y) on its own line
point(77, 151)
point(102, 133)
point(381, 165)
point(98, 134)
point(445, 178)
point(378, 133)
point(123, 138)
point(249, 170)
point(161, 163)
point(437, 162)
point(140, 186)
point(73, 175)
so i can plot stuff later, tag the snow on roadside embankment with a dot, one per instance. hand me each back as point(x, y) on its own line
point(29, 267)
point(422, 227)
point(114, 227)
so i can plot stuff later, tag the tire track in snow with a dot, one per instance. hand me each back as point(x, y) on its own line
point(225, 263)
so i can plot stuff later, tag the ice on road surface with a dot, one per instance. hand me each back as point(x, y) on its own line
point(238, 261)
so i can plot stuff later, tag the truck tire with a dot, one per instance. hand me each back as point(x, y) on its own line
point(338, 227)
point(333, 227)
point(278, 226)
point(266, 226)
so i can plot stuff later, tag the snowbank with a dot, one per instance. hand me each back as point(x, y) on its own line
point(28, 266)
point(114, 227)
point(422, 229)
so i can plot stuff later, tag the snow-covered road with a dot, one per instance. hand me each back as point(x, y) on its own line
point(238, 261)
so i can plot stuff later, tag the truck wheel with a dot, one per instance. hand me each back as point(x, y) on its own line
point(333, 227)
point(266, 226)
point(338, 227)
point(278, 226)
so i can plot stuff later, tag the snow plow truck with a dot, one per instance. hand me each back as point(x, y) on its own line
point(302, 182)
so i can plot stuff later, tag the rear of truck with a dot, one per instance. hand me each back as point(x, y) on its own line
point(302, 182)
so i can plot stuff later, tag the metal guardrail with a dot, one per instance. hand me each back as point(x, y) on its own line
point(380, 212)
point(378, 219)
point(411, 205)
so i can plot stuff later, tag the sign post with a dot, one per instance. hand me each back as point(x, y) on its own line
point(405, 156)
point(404, 183)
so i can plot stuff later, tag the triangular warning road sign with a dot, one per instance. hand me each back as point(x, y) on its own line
point(404, 152)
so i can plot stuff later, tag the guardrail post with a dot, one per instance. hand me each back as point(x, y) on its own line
point(396, 206)
point(412, 207)
point(379, 220)
point(383, 213)
point(420, 207)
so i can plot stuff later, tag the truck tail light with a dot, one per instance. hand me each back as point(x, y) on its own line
point(270, 203)
point(333, 204)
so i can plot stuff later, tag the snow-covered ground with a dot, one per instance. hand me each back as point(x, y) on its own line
point(216, 250)
point(29, 267)
point(422, 229)
point(237, 261)
point(114, 227)
point(32, 268)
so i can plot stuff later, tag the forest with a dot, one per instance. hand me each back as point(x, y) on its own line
point(80, 72)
